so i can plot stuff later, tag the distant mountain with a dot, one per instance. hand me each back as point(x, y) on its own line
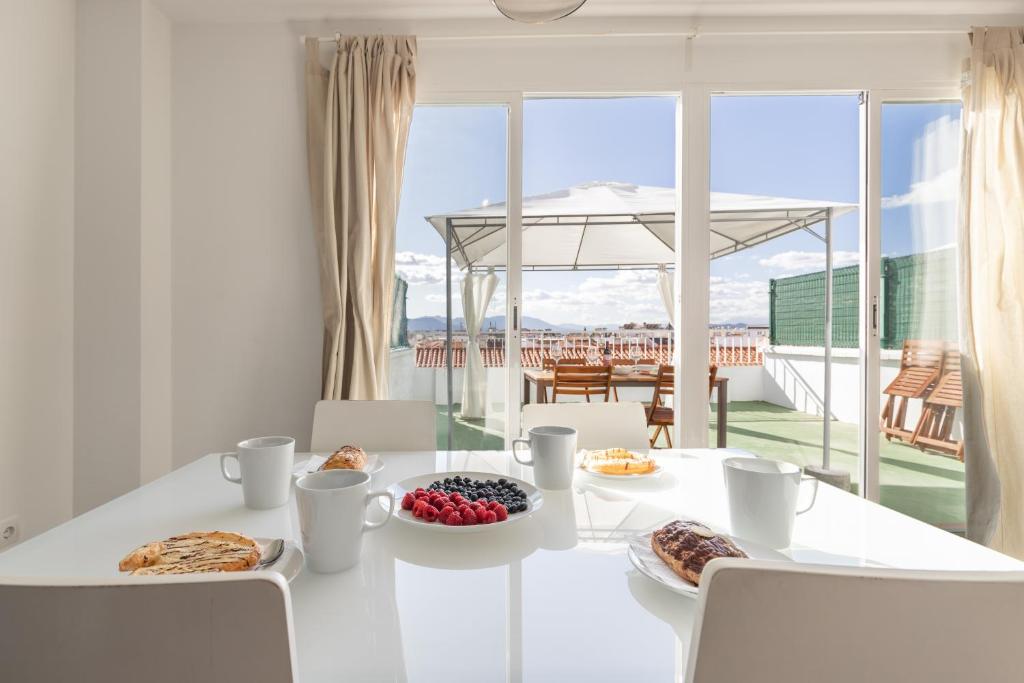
point(436, 323)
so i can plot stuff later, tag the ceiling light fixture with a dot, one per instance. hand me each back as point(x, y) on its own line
point(537, 11)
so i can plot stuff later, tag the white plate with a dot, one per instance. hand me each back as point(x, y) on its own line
point(603, 475)
point(374, 464)
point(534, 500)
point(289, 565)
point(653, 567)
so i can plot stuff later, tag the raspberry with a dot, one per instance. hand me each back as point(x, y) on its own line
point(418, 507)
point(470, 518)
point(454, 519)
point(489, 517)
point(420, 490)
point(482, 501)
point(439, 503)
point(476, 507)
point(500, 512)
point(420, 494)
point(493, 504)
point(463, 509)
point(429, 514)
point(445, 511)
point(408, 500)
point(457, 497)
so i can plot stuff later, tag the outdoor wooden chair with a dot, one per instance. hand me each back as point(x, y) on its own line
point(581, 380)
point(920, 367)
point(935, 427)
point(659, 415)
point(628, 361)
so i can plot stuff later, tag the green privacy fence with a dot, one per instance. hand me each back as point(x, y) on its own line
point(918, 302)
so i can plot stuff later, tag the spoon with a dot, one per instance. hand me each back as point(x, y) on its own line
point(271, 552)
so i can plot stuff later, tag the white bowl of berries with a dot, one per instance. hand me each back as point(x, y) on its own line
point(463, 502)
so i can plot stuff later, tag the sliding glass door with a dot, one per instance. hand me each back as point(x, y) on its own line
point(451, 258)
point(784, 247)
point(921, 455)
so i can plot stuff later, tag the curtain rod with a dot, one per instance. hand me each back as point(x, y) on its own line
point(695, 33)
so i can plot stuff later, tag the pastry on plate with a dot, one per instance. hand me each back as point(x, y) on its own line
point(687, 547)
point(199, 551)
point(346, 458)
point(618, 461)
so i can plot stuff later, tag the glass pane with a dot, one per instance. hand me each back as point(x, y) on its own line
point(784, 180)
point(921, 471)
point(456, 160)
point(599, 186)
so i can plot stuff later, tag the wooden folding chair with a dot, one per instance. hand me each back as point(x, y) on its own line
point(935, 427)
point(920, 367)
point(581, 380)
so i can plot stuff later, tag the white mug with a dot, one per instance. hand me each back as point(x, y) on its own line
point(762, 499)
point(332, 517)
point(265, 467)
point(552, 456)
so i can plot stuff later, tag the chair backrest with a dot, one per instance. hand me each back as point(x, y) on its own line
point(664, 385)
point(712, 375)
point(779, 622)
point(599, 425)
point(210, 627)
point(374, 425)
point(922, 353)
point(581, 380)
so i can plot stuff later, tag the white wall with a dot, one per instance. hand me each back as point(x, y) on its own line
point(37, 47)
point(122, 260)
point(246, 300)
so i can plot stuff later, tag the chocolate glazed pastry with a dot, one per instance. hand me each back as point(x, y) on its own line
point(687, 547)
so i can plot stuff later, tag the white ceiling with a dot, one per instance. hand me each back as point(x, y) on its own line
point(267, 10)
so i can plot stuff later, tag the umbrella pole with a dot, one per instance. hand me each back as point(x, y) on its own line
point(826, 437)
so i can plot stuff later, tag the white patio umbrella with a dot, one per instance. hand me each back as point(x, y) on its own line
point(613, 226)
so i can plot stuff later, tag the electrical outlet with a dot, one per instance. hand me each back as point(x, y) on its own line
point(10, 530)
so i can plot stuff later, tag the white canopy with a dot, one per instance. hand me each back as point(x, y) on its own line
point(610, 224)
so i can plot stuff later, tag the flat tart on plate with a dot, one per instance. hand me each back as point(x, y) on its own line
point(199, 551)
point(618, 461)
point(688, 546)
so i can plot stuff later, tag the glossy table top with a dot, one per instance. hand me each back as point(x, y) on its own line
point(551, 599)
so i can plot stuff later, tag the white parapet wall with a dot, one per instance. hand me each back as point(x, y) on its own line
point(792, 377)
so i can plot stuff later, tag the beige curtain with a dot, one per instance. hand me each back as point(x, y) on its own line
point(992, 260)
point(358, 116)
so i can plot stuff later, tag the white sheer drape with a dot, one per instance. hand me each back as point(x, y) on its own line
point(992, 261)
point(665, 288)
point(477, 290)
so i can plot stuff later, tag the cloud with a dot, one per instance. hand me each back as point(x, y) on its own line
point(942, 187)
point(807, 261)
point(936, 166)
point(420, 269)
point(626, 296)
point(736, 300)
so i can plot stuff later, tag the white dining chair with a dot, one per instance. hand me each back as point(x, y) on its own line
point(374, 425)
point(200, 628)
point(776, 622)
point(599, 425)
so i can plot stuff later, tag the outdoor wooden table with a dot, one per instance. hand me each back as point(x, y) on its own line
point(541, 380)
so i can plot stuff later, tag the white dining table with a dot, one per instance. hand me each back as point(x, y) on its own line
point(552, 598)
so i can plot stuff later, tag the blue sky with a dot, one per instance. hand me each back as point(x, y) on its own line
point(793, 146)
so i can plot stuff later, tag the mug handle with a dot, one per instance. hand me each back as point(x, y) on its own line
point(224, 467)
point(814, 496)
point(528, 463)
point(370, 526)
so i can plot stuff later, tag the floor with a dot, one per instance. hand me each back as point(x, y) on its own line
point(927, 486)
